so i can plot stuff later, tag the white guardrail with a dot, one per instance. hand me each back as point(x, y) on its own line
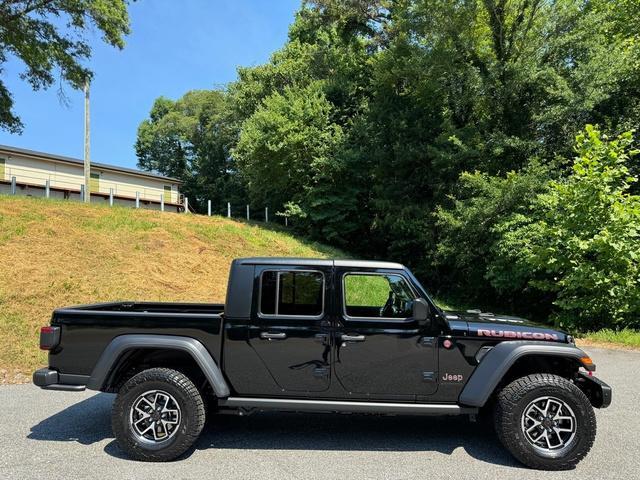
point(60, 181)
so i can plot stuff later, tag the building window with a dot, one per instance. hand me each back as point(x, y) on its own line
point(94, 183)
point(292, 293)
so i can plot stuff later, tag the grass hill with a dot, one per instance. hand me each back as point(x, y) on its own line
point(58, 253)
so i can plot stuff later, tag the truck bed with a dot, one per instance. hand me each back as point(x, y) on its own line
point(86, 330)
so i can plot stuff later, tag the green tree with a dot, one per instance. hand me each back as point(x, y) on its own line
point(320, 71)
point(582, 241)
point(468, 232)
point(288, 152)
point(49, 36)
point(286, 143)
point(190, 139)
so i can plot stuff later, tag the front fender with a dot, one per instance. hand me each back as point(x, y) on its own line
point(500, 359)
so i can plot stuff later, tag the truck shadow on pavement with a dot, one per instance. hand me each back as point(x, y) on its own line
point(88, 422)
point(340, 432)
point(85, 422)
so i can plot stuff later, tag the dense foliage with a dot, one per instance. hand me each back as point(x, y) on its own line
point(469, 230)
point(50, 39)
point(581, 239)
point(438, 134)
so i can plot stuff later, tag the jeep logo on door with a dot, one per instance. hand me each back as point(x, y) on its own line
point(452, 377)
point(513, 334)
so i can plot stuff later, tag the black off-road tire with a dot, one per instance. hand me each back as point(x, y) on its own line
point(511, 403)
point(192, 414)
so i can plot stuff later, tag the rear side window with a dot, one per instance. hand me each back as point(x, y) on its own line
point(268, 293)
point(295, 293)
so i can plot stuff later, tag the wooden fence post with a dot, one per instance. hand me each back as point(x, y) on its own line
point(47, 189)
point(137, 199)
point(186, 204)
point(111, 197)
point(209, 207)
point(162, 203)
point(228, 209)
point(247, 212)
point(266, 214)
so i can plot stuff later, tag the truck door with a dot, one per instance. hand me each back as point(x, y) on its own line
point(381, 351)
point(293, 340)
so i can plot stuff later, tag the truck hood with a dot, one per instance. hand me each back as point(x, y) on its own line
point(474, 323)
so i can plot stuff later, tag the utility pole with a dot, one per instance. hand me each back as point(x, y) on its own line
point(87, 160)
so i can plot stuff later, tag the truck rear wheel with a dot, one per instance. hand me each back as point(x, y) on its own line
point(545, 421)
point(157, 415)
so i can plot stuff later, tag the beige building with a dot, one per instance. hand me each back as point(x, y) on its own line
point(25, 172)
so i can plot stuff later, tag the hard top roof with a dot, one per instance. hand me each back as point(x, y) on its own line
point(319, 262)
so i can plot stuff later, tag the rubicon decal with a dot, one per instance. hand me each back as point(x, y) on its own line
point(514, 334)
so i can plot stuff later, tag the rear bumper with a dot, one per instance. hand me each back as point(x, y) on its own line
point(598, 392)
point(49, 379)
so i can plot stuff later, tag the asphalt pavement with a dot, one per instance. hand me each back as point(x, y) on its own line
point(60, 435)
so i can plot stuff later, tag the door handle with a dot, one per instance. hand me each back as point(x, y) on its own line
point(352, 338)
point(273, 336)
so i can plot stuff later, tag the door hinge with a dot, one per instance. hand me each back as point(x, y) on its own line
point(428, 376)
point(427, 341)
point(321, 338)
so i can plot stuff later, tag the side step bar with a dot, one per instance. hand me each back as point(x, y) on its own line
point(288, 404)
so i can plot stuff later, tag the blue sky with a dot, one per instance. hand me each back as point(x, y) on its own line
point(174, 46)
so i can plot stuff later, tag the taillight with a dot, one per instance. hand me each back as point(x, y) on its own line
point(49, 337)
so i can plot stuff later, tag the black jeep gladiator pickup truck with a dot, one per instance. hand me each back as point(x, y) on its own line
point(330, 336)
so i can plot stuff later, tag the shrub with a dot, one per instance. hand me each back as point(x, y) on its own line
point(581, 243)
point(467, 228)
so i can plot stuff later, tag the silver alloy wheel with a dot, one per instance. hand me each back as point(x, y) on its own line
point(155, 416)
point(549, 425)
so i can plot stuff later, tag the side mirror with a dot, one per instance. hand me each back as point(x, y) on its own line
point(421, 312)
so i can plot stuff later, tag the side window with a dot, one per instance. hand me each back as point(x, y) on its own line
point(94, 184)
point(295, 293)
point(377, 296)
point(268, 293)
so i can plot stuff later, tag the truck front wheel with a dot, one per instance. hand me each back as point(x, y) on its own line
point(157, 415)
point(545, 421)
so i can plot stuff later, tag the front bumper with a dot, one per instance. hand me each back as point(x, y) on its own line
point(49, 379)
point(598, 392)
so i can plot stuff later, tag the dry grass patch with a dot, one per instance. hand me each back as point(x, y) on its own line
point(57, 253)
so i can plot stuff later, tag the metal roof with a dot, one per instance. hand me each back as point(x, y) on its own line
point(321, 262)
point(76, 161)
